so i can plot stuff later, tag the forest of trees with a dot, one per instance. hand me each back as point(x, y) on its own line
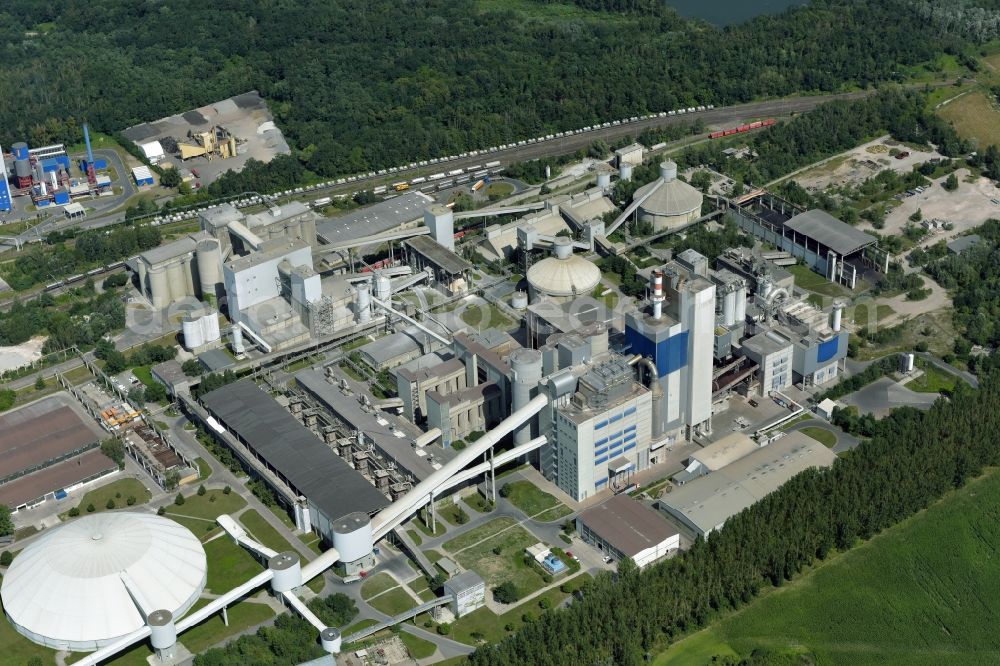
point(82, 323)
point(912, 459)
point(361, 84)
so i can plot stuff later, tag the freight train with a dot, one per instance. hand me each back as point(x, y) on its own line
point(742, 128)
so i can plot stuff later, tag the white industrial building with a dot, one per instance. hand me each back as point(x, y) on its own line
point(623, 527)
point(713, 457)
point(703, 505)
point(90, 582)
point(187, 268)
point(563, 276)
point(668, 203)
point(467, 591)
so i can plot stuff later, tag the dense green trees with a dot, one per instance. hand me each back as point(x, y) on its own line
point(81, 323)
point(912, 459)
point(360, 84)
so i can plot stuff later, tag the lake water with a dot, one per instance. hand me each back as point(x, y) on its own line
point(724, 12)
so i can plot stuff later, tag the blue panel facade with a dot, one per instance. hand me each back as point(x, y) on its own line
point(5, 202)
point(827, 350)
point(62, 197)
point(21, 152)
point(669, 355)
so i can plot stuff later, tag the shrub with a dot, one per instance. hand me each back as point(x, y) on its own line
point(130, 500)
point(506, 593)
point(545, 603)
point(179, 500)
point(444, 629)
point(497, 550)
point(505, 490)
point(74, 512)
point(91, 508)
point(6, 558)
point(111, 504)
point(162, 510)
point(202, 490)
point(227, 490)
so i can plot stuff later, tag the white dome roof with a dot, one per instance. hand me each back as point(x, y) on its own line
point(68, 589)
point(668, 197)
point(567, 275)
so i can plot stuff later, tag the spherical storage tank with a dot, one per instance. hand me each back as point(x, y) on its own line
point(76, 587)
point(564, 275)
point(668, 202)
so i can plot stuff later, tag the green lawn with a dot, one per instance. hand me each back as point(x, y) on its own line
point(484, 315)
point(358, 626)
point(204, 470)
point(198, 513)
point(242, 616)
point(933, 380)
point(262, 531)
point(439, 529)
point(284, 517)
point(484, 531)
point(229, 565)
point(861, 315)
point(144, 375)
point(418, 647)
point(478, 502)
point(376, 585)
point(507, 564)
point(393, 602)
point(924, 592)
point(812, 281)
point(415, 536)
point(119, 491)
point(451, 512)
point(529, 498)
point(821, 435)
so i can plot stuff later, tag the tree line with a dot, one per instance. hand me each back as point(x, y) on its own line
point(912, 459)
point(366, 84)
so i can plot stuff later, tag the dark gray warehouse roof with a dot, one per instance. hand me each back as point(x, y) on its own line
point(375, 219)
point(824, 228)
point(309, 465)
point(627, 524)
point(439, 255)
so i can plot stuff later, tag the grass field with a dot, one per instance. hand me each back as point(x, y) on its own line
point(393, 602)
point(204, 470)
point(933, 380)
point(477, 502)
point(377, 584)
point(484, 531)
point(485, 316)
point(505, 565)
point(527, 497)
point(925, 592)
point(451, 512)
point(974, 117)
point(119, 491)
point(439, 529)
point(861, 315)
point(262, 531)
point(417, 539)
point(418, 647)
point(229, 565)
point(198, 513)
point(821, 435)
point(812, 281)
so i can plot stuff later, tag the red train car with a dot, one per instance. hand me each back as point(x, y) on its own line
point(757, 124)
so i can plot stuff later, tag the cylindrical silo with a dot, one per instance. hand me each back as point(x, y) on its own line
point(187, 267)
point(668, 171)
point(741, 304)
point(237, 334)
point(176, 280)
point(209, 258)
point(191, 330)
point(729, 308)
point(383, 287)
point(352, 536)
point(287, 570)
point(162, 630)
point(604, 180)
point(363, 302)
point(526, 368)
point(330, 640)
point(159, 287)
point(22, 164)
point(519, 300)
point(838, 312)
point(625, 172)
point(210, 327)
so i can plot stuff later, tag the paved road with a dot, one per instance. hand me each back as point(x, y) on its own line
point(845, 442)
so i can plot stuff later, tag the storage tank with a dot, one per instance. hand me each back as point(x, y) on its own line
point(383, 287)
point(176, 281)
point(526, 367)
point(192, 331)
point(741, 303)
point(210, 326)
point(363, 302)
point(604, 180)
point(519, 300)
point(22, 164)
point(287, 569)
point(729, 308)
point(625, 172)
point(162, 631)
point(209, 259)
point(352, 537)
point(159, 287)
point(237, 334)
point(188, 271)
point(330, 640)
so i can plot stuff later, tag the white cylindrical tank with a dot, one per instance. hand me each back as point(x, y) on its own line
point(210, 326)
point(287, 569)
point(526, 366)
point(625, 172)
point(209, 259)
point(363, 302)
point(519, 300)
point(562, 247)
point(729, 308)
point(838, 311)
point(668, 170)
point(909, 362)
point(191, 329)
point(159, 287)
point(741, 304)
point(330, 639)
point(352, 536)
point(383, 287)
point(162, 631)
point(187, 268)
point(604, 180)
point(237, 333)
point(175, 278)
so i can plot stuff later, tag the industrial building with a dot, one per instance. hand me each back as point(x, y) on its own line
point(631, 154)
point(401, 212)
point(311, 469)
point(667, 203)
point(562, 277)
point(623, 528)
point(467, 591)
point(91, 582)
point(715, 456)
point(451, 272)
point(6, 201)
point(187, 268)
point(704, 504)
point(828, 246)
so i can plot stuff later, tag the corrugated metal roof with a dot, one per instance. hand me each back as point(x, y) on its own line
point(630, 526)
point(824, 228)
point(290, 448)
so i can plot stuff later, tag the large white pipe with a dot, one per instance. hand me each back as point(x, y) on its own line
point(249, 237)
point(229, 598)
point(499, 459)
point(399, 510)
point(326, 560)
point(388, 308)
point(303, 610)
point(111, 650)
